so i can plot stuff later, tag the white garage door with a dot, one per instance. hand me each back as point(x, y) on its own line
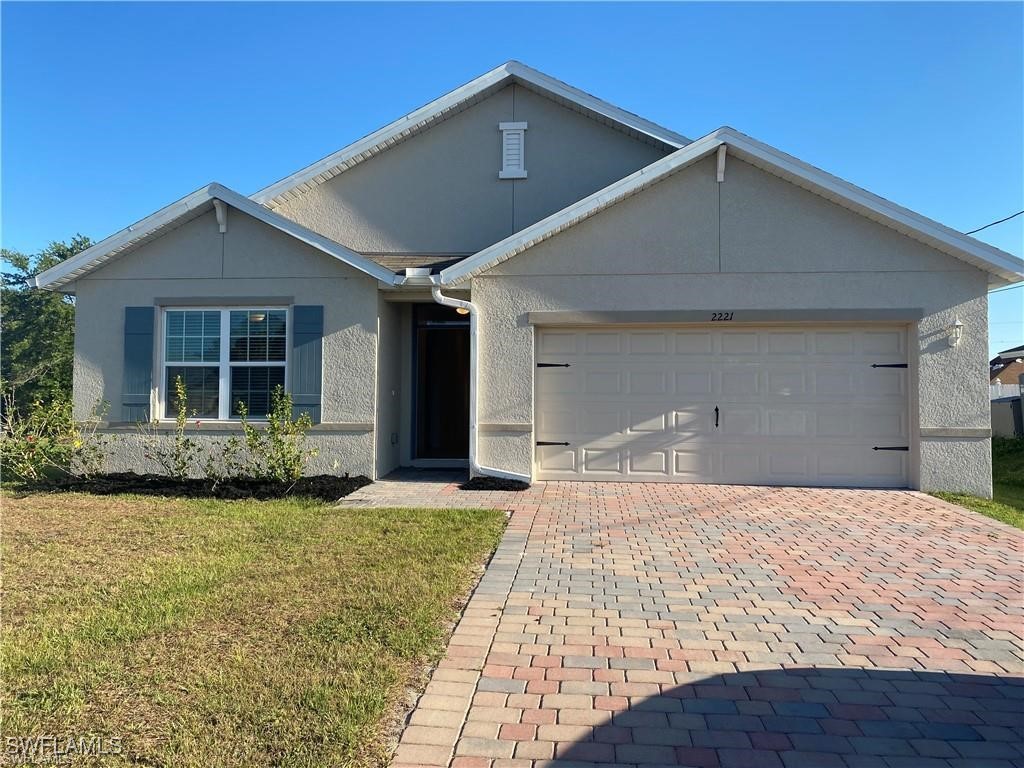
point(787, 405)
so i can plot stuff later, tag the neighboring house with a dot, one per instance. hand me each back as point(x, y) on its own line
point(1007, 367)
point(643, 306)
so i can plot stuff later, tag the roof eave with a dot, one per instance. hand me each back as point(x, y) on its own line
point(1003, 268)
point(180, 211)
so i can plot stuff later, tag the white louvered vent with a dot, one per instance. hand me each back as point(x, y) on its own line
point(513, 151)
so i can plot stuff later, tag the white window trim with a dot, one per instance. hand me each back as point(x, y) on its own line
point(224, 365)
point(508, 130)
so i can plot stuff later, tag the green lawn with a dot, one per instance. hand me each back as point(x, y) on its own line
point(211, 633)
point(1007, 502)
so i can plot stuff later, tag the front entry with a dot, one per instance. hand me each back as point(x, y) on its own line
point(441, 373)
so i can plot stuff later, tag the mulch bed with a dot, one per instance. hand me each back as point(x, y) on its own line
point(323, 487)
point(493, 484)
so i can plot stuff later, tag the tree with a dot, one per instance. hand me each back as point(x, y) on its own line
point(38, 326)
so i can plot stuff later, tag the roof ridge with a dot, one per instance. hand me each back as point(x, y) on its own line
point(456, 100)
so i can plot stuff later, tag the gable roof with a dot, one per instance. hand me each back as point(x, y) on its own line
point(1003, 267)
point(456, 101)
point(184, 210)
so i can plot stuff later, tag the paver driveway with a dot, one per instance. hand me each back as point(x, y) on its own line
point(731, 626)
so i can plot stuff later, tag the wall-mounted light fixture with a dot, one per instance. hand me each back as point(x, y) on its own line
point(461, 311)
point(956, 332)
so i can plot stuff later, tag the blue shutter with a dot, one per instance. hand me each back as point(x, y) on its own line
point(137, 383)
point(307, 360)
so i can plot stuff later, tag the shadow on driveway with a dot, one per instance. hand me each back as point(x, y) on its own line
point(816, 718)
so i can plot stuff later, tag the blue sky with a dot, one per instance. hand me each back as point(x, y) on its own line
point(110, 111)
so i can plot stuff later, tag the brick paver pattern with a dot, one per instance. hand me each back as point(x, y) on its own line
point(645, 624)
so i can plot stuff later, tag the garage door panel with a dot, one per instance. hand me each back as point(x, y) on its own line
point(603, 382)
point(739, 420)
point(602, 343)
point(647, 420)
point(692, 465)
point(558, 343)
point(694, 384)
point(603, 459)
point(693, 421)
point(795, 405)
point(599, 421)
point(884, 343)
point(789, 422)
point(688, 343)
point(833, 343)
point(648, 382)
point(739, 343)
point(653, 462)
point(740, 380)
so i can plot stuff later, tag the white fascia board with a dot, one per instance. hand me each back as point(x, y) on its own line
point(94, 256)
point(1004, 267)
point(306, 235)
point(530, 76)
point(385, 137)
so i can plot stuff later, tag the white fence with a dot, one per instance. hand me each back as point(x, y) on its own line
point(996, 391)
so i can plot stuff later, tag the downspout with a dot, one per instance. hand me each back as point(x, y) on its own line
point(475, 468)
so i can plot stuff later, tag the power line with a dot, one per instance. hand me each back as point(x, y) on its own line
point(1011, 216)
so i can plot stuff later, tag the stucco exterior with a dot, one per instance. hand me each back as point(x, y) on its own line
point(751, 242)
point(195, 263)
point(440, 192)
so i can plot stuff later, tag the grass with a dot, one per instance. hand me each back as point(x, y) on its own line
point(1007, 502)
point(205, 633)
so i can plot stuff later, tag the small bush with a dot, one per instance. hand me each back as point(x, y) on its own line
point(184, 455)
point(277, 452)
point(46, 442)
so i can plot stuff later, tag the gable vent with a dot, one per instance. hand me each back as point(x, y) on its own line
point(513, 151)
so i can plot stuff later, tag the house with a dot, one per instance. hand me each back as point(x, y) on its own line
point(525, 278)
point(1007, 367)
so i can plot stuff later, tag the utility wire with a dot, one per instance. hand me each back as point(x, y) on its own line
point(1011, 216)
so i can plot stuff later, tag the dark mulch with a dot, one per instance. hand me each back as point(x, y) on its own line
point(323, 487)
point(493, 484)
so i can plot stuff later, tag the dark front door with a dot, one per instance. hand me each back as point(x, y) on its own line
point(442, 382)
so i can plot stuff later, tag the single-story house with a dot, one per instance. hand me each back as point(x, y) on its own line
point(525, 279)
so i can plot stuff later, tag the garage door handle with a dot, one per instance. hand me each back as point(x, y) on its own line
point(891, 448)
point(552, 365)
point(888, 365)
point(716, 417)
point(545, 442)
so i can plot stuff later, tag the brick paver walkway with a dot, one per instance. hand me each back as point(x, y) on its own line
point(642, 625)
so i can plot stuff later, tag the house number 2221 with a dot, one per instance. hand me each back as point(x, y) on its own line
point(719, 316)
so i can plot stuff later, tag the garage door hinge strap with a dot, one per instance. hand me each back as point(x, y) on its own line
point(891, 448)
point(545, 442)
point(552, 365)
point(888, 365)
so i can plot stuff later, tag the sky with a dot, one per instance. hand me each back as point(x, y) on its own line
point(110, 111)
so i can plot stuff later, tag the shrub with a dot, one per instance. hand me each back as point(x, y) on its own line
point(184, 454)
point(277, 452)
point(46, 442)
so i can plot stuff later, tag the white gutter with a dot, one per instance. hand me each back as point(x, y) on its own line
point(475, 468)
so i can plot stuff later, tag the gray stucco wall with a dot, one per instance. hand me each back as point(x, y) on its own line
point(252, 260)
point(389, 385)
point(439, 192)
point(781, 247)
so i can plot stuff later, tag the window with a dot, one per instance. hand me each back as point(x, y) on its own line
point(513, 150)
point(224, 356)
